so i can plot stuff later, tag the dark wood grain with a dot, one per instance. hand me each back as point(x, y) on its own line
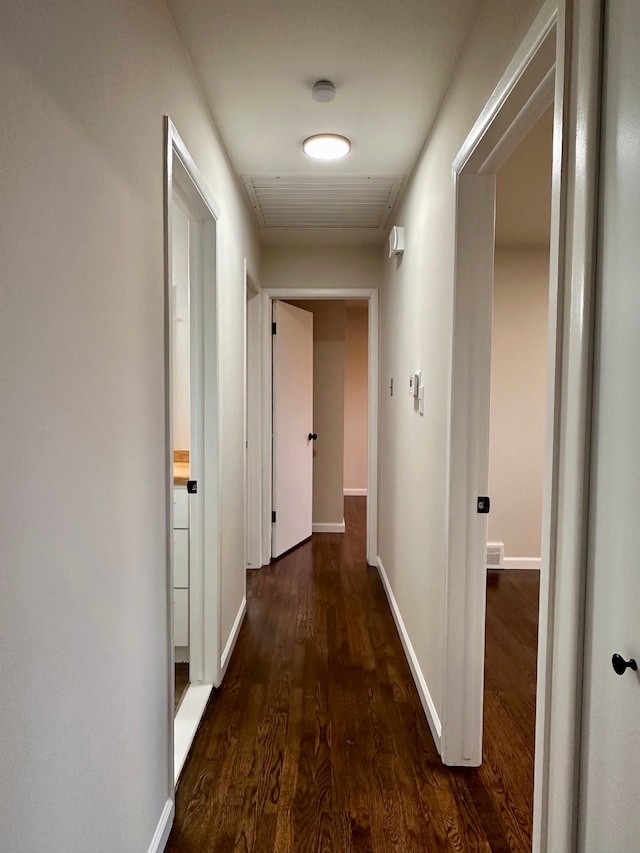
point(181, 684)
point(317, 741)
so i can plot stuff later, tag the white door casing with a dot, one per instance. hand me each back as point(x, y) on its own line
point(269, 295)
point(292, 426)
point(184, 182)
point(609, 780)
point(253, 423)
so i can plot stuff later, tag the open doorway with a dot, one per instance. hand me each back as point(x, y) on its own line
point(344, 296)
point(192, 443)
point(340, 409)
point(519, 370)
point(548, 68)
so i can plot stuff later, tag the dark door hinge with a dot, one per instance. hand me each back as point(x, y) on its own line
point(273, 516)
point(484, 504)
point(273, 328)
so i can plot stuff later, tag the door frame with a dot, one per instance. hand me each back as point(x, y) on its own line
point(253, 393)
point(330, 294)
point(183, 180)
point(559, 61)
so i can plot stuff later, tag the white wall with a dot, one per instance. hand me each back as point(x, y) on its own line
point(318, 266)
point(416, 332)
point(356, 389)
point(518, 398)
point(84, 720)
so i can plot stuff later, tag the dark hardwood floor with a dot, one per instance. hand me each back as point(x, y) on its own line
point(181, 684)
point(317, 742)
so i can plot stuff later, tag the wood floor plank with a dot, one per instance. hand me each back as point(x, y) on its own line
point(317, 740)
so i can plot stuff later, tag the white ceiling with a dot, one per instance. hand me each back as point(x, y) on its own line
point(391, 63)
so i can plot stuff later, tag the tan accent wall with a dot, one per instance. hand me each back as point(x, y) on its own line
point(328, 408)
point(518, 398)
point(519, 343)
point(356, 396)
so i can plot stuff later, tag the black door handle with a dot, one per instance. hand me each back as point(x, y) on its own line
point(312, 436)
point(621, 665)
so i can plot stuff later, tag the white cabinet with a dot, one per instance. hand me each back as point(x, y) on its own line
point(180, 566)
point(181, 617)
point(181, 559)
point(180, 508)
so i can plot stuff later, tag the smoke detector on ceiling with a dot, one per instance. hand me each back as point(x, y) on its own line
point(323, 91)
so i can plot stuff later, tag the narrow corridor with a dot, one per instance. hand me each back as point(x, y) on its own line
point(317, 741)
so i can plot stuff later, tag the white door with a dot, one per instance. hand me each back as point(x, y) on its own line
point(292, 426)
point(610, 765)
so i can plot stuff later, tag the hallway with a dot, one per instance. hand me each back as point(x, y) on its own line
point(317, 742)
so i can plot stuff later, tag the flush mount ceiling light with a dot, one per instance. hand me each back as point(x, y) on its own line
point(326, 146)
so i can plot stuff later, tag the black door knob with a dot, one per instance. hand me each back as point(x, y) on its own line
point(312, 436)
point(621, 665)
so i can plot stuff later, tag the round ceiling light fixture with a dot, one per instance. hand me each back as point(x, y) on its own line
point(323, 91)
point(326, 146)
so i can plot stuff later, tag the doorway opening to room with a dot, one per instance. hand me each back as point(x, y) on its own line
point(342, 410)
point(336, 444)
point(542, 73)
point(191, 338)
point(517, 421)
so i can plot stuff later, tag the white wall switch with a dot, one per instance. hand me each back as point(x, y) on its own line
point(421, 401)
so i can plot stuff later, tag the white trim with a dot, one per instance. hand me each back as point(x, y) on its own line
point(355, 492)
point(328, 527)
point(421, 685)
point(495, 555)
point(163, 829)
point(233, 636)
point(533, 563)
point(186, 724)
point(253, 420)
point(561, 627)
point(298, 293)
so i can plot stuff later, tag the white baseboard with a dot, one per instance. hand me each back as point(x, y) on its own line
point(328, 527)
point(423, 691)
point(186, 722)
point(521, 563)
point(231, 642)
point(355, 492)
point(163, 829)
